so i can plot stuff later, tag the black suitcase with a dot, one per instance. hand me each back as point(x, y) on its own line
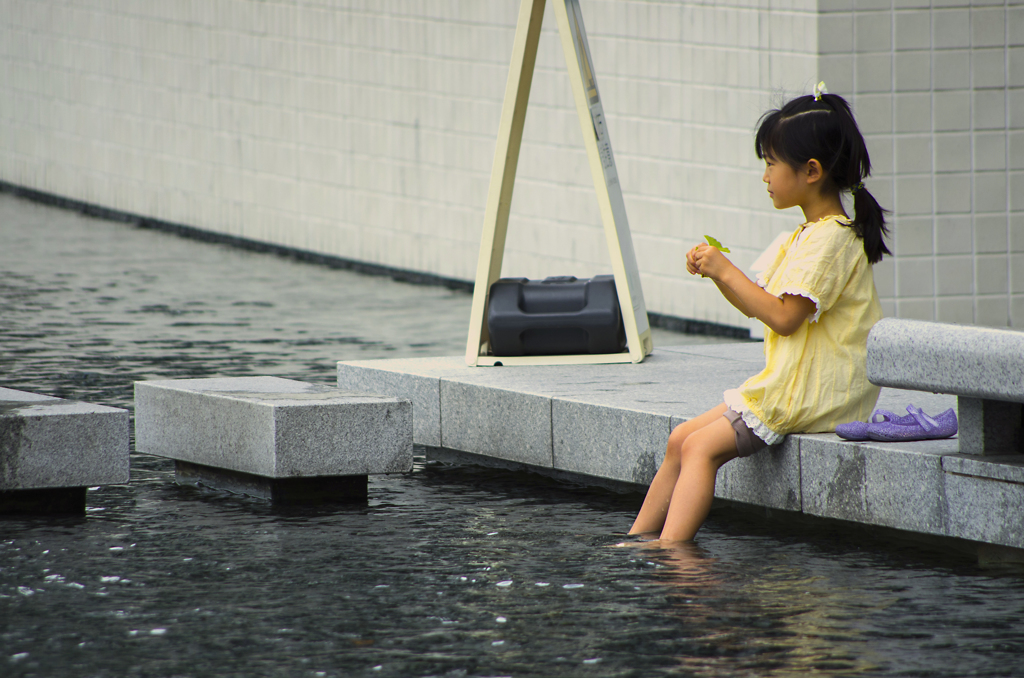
point(559, 315)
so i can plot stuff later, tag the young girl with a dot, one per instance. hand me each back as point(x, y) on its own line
point(817, 299)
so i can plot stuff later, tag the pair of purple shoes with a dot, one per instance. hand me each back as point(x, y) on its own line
point(888, 427)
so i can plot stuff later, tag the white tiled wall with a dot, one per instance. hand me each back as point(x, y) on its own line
point(365, 129)
point(939, 87)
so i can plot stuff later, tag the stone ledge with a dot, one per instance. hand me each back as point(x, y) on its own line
point(608, 424)
point(1007, 468)
point(486, 410)
point(899, 485)
point(984, 510)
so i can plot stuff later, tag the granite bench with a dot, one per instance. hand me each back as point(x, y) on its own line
point(983, 367)
point(272, 438)
point(52, 450)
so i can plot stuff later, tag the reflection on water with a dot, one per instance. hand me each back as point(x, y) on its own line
point(85, 300)
point(446, 571)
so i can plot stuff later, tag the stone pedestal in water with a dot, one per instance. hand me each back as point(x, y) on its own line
point(279, 439)
point(52, 450)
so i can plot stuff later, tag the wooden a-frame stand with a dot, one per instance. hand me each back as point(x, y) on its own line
point(606, 183)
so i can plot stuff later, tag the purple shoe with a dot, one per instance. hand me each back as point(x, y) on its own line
point(922, 427)
point(858, 430)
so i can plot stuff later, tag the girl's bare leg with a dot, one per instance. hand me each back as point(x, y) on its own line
point(656, 505)
point(703, 453)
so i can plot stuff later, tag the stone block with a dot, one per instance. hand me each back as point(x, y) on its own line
point(497, 422)
point(273, 428)
point(608, 442)
point(984, 496)
point(897, 485)
point(417, 380)
point(49, 443)
point(768, 478)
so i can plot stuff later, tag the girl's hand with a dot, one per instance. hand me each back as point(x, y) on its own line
point(691, 264)
point(708, 261)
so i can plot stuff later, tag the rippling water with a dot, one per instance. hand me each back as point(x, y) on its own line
point(447, 571)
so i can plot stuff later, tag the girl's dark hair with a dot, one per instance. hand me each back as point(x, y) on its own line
point(824, 129)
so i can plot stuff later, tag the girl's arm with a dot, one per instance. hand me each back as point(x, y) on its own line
point(784, 315)
point(733, 299)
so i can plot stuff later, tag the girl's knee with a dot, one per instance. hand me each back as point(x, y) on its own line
point(678, 435)
point(675, 443)
point(710, 447)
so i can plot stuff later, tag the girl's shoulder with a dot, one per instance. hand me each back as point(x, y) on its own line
point(831, 221)
point(827, 242)
point(833, 231)
point(830, 241)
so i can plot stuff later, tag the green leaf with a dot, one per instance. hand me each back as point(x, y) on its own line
point(717, 245)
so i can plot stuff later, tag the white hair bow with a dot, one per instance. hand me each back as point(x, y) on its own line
point(819, 89)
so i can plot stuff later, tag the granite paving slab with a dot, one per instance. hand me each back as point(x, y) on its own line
point(745, 351)
point(504, 423)
point(608, 442)
point(669, 384)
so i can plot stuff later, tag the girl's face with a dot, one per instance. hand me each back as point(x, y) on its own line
point(786, 186)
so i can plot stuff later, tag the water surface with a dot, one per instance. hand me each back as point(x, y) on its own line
point(447, 570)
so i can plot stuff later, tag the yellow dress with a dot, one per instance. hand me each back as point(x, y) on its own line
point(815, 378)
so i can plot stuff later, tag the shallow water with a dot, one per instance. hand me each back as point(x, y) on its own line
point(446, 571)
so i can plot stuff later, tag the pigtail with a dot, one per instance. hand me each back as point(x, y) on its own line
point(869, 223)
point(823, 127)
